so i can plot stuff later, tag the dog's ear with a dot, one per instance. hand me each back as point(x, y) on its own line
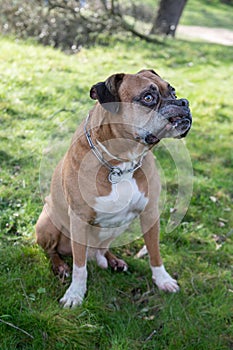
point(148, 70)
point(107, 92)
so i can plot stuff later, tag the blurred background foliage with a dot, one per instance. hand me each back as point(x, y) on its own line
point(71, 24)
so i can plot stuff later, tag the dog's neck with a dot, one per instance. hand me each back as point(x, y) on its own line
point(110, 136)
point(122, 168)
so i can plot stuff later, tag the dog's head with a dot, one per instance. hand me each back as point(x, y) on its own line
point(147, 103)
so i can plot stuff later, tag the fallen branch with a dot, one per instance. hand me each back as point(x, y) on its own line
point(119, 17)
point(15, 327)
point(145, 37)
point(150, 336)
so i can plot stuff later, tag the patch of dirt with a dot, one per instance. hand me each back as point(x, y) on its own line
point(213, 35)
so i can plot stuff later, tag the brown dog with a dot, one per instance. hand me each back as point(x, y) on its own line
point(108, 177)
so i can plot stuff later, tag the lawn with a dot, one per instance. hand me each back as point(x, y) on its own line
point(44, 94)
point(208, 13)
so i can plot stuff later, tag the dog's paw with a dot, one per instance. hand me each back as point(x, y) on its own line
point(101, 261)
point(118, 264)
point(72, 297)
point(62, 271)
point(163, 280)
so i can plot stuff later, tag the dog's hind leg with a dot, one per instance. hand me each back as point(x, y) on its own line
point(49, 237)
point(106, 258)
point(115, 263)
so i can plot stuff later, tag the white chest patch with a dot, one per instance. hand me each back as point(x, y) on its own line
point(124, 203)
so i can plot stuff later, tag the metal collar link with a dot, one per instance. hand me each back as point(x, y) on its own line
point(115, 173)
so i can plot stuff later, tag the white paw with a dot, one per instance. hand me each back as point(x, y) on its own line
point(101, 260)
point(76, 291)
point(72, 297)
point(163, 280)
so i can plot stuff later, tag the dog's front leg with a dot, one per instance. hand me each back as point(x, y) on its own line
point(150, 228)
point(76, 291)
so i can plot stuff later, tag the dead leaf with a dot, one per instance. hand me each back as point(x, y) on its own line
point(141, 253)
point(223, 220)
point(221, 224)
point(213, 199)
point(149, 318)
point(219, 238)
point(227, 209)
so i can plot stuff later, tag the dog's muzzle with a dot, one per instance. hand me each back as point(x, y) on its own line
point(178, 119)
point(182, 125)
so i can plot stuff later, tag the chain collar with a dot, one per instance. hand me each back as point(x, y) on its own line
point(115, 173)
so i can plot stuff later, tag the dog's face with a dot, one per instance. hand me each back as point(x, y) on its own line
point(146, 104)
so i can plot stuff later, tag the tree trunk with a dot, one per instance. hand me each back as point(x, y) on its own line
point(168, 16)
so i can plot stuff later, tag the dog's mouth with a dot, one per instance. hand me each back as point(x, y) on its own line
point(177, 127)
point(181, 124)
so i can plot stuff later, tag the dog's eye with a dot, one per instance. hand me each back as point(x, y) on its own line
point(148, 98)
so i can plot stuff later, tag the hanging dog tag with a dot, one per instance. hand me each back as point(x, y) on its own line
point(115, 175)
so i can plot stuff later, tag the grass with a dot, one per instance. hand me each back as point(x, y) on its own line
point(121, 311)
point(207, 13)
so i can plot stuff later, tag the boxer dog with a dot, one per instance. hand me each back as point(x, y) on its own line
point(108, 177)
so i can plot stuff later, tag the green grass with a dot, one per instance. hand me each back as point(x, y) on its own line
point(211, 13)
point(208, 13)
point(121, 311)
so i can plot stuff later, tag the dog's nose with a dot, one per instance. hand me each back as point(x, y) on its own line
point(183, 102)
